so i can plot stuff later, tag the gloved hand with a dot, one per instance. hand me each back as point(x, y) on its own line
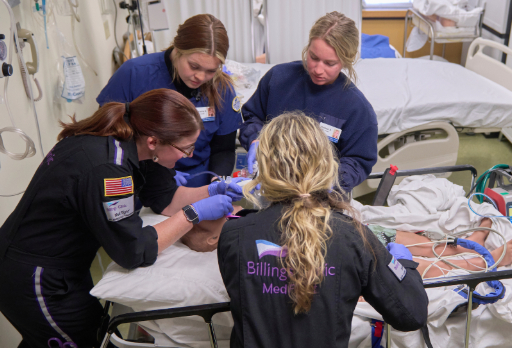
point(213, 208)
point(181, 178)
point(232, 189)
point(251, 156)
point(399, 251)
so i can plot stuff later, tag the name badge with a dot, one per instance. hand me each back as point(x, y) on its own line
point(397, 269)
point(207, 114)
point(332, 133)
point(119, 209)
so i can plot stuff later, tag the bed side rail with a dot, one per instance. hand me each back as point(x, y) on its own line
point(472, 280)
point(421, 171)
point(205, 311)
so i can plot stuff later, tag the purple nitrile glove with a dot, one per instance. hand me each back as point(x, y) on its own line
point(232, 189)
point(399, 251)
point(181, 178)
point(213, 208)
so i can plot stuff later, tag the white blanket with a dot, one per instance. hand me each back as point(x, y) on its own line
point(406, 93)
point(427, 202)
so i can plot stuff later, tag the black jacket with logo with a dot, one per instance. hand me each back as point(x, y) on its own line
point(258, 285)
point(82, 197)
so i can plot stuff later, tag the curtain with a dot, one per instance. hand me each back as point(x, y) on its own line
point(289, 22)
point(234, 14)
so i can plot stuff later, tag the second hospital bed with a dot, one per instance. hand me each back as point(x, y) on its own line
point(158, 287)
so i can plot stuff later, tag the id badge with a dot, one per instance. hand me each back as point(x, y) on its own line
point(398, 270)
point(332, 133)
point(207, 114)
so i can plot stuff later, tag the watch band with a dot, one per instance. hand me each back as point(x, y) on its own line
point(191, 214)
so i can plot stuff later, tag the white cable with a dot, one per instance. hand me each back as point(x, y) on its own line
point(444, 259)
point(472, 230)
point(40, 96)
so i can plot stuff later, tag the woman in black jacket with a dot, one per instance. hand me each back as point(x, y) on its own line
point(295, 270)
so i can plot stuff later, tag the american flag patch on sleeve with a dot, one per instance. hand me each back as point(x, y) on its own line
point(118, 186)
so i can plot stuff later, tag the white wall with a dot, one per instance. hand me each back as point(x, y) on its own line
point(97, 49)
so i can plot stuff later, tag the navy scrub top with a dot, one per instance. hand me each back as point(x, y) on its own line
point(142, 74)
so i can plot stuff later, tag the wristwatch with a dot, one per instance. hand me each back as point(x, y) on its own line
point(191, 214)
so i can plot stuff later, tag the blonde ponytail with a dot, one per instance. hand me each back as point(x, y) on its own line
point(298, 167)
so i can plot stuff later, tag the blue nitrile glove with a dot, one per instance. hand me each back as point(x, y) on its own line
point(399, 251)
point(213, 208)
point(251, 156)
point(181, 178)
point(222, 188)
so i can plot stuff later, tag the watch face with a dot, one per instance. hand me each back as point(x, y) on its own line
point(190, 213)
point(3, 50)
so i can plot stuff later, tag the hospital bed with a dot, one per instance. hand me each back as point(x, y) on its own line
point(207, 311)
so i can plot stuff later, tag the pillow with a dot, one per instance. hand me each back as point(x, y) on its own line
point(180, 277)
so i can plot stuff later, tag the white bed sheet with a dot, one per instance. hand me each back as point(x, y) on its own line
point(406, 93)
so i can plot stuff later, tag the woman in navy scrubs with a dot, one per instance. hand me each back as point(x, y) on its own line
point(318, 87)
point(192, 65)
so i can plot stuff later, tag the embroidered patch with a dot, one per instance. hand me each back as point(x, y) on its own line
point(398, 270)
point(268, 248)
point(237, 104)
point(119, 209)
point(118, 186)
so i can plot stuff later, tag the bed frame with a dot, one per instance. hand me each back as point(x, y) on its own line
point(421, 146)
point(108, 331)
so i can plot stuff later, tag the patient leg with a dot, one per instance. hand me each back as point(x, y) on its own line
point(425, 250)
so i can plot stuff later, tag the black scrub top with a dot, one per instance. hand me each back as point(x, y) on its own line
point(258, 285)
point(82, 197)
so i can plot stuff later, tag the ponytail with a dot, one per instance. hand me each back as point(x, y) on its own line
point(106, 121)
point(305, 233)
point(298, 167)
point(162, 113)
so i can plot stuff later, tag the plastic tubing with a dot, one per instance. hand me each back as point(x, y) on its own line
point(491, 200)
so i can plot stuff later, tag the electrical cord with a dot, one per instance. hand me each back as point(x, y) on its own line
point(451, 238)
point(467, 231)
point(145, 51)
